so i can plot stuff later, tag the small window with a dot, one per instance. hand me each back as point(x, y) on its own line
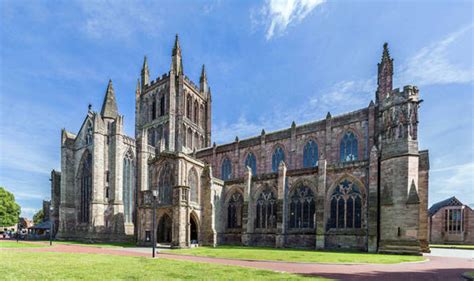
point(251, 162)
point(162, 106)
point(153, 110)
point(226, 169)
point(310, 154)
point(277, 157)
point(349, 148)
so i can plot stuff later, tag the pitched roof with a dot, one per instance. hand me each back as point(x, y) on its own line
point(453, 201)
point(109, 107)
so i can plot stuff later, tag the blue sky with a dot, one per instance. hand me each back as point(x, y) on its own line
point(278, 61)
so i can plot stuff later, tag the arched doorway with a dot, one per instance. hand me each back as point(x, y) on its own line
point(194, 230)
point(164, 230)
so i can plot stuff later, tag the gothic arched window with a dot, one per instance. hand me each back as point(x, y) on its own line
point(226, 169)
point(127, 186)
point(165, 185)
point(234, 210)
point(266, 210)
point(302, 208)
point(162, 105)
point(196, 113)
point(153, 110)
point(346, 206)
point(277, 157)
point(193, 185)
point(190, 138)
point(310, 154)
point(85, 177)
point(251, 162)
point(349, 147)
point(189, 107)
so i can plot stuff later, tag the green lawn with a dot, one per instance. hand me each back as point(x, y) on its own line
point(257, 253)
point(465, 247)
point(62, 266)
point(469, 274)
point(100, 245)
point(20, 244)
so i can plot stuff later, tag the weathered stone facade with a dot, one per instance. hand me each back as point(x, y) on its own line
point(355, 180)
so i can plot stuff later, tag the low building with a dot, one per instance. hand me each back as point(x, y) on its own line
point(451, 222)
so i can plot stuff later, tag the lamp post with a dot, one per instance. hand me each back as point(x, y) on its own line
point(153, 240)
point(50, 228)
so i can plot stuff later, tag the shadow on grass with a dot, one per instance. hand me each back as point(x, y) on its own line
point(435, 274)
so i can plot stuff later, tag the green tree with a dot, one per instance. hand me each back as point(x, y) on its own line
point(9, 209)
point(38, 217)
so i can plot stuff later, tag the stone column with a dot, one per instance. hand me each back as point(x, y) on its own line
point(208, 235)
point(248, 216)
point(180, 220)
point(320, 205)
point(282, 206)
point(372, 201)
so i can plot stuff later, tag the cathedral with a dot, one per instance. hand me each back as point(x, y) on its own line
point(351, 181)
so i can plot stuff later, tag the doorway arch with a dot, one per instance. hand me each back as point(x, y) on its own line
point(194, 231)
point(163, 233)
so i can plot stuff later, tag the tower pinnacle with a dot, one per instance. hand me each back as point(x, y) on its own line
point(109, 107)
point(145, 73)
point(385, 75)
point(176, 60)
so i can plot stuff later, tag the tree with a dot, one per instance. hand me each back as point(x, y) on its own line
point(9, 209)
point(38, 217)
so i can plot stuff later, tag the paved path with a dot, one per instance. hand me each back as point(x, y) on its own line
point(453, 253)
point(437, 268)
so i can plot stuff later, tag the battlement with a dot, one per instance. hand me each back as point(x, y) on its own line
point(158, 80)
point(191, 83)
point(408, 91)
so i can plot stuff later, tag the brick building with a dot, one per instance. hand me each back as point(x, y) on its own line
point(356, 180)
point(451, 222)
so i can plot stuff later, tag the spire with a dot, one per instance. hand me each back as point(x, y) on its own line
point(176, 61)
point(203, 73)
point(145, 73)
point(203, 87)
point(137, 89)
point(385, 54)
point(109, 107)
point(176, 47)
point(385, 75)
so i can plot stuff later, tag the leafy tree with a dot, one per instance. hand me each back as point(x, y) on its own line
point(9, 209)
point(38, 217)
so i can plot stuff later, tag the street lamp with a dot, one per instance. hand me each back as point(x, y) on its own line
point(50, 227)
point(153, 240)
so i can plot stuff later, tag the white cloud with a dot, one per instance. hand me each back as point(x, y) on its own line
point(277, 15)
point(456, 180)
point(432, 65)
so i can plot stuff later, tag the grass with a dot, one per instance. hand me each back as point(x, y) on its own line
point(67, 266)
point(469, 274)
point(100, 245)
point(292, 255)
point(448, 246)
point(20, 244)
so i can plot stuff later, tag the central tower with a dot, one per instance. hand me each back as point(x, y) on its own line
point(172, 115)
point(172, 112)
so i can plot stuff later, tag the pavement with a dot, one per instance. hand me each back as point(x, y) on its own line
point(437, 267)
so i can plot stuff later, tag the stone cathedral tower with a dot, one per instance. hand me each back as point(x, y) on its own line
point(403, 168)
